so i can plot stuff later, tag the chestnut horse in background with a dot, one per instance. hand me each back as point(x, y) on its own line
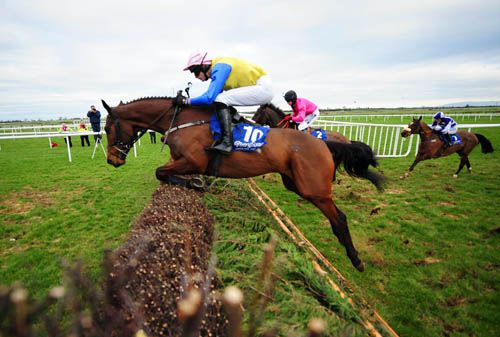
point(271, 115)
point(306, 164)
point(431, 146)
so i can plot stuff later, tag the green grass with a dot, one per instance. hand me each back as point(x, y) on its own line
point(432, 250)
point(299, 292)
point(52, 209)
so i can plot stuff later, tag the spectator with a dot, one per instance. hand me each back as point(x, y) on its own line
point(94, 116)
point(82, 127)
point(65, 129)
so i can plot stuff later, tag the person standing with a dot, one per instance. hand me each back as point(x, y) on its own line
point(82, 127)
point(94, 116)
point(234, 82)
point(66, 129)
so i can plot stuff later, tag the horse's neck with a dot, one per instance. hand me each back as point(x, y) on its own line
point(275, 117)
point(155, 115)
point(426, 132)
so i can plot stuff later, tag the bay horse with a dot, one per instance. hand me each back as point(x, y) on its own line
point(431, 146)
point(271, 115)
point(306, 164)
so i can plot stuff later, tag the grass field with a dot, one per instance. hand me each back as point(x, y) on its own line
point(432, 248)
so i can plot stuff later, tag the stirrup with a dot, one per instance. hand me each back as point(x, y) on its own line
point(221, 148)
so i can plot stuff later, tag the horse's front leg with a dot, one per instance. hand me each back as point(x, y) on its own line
point(171, 173)
point(407, 173)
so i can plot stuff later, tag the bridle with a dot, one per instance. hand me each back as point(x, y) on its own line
point(421, 132)
point(124, 148)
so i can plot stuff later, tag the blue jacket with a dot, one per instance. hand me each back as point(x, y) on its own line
point(95, 119)
point(220, 73)
point(444, 122)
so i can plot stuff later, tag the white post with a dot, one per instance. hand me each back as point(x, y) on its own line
point(69, 148)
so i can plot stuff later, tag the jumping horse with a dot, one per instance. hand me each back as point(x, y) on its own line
point(271, 115)
point(431, 146)
point(306, 164)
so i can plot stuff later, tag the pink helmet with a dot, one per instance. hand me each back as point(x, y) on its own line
point(198, 58)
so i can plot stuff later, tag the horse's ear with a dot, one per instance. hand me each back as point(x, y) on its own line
point(121, 103)
point(420, 118)
point(106, 106)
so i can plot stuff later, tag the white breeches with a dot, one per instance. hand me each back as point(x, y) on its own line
point(258, 94)
point(308, 120)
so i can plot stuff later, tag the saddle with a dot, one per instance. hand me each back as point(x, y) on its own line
point(236, 118)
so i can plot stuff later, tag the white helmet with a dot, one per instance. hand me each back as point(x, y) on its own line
point(438, 115)
point(197, 58)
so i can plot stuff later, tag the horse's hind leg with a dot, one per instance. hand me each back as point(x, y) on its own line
point(463, 160)
point(469, 167)
point(289, 184)
point(338, 221)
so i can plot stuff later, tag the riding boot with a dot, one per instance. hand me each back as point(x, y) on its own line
point(447, 140)
point(225, 145)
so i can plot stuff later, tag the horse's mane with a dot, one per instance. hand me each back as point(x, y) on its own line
point(275, 108)
point(148, 98)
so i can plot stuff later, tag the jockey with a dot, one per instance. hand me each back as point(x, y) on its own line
point(234, 82)
point(304, 113)
point(446, 126)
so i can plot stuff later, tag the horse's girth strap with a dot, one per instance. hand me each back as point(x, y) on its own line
point(183, 126)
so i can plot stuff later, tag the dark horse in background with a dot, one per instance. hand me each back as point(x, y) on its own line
point(273, 116)
point(431, 146)
point(306, 164)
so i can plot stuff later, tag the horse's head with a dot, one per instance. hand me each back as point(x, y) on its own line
point(415, 127)
point(268, 114)
point(120, 133)
point(260, 116)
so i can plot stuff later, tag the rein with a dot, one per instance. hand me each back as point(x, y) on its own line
point(124, 148)
point(425, 136)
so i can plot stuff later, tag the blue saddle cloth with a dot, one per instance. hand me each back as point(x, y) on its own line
point(320, 134)
point(455, 139)
point(246, 137)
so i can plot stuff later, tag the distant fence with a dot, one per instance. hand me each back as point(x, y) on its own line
point(459, 117)
point(39, 129)
point(385, 139)
point(50, 135)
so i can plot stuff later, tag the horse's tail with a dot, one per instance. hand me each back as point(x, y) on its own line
point(356, 157)
point(486, 146)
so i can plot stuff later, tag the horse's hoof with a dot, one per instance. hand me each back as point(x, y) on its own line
point(455, 176)
point(360, 266)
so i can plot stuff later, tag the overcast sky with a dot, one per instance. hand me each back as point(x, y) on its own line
point(59, 57)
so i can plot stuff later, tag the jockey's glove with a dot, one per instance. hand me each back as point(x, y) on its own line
point(179, 100)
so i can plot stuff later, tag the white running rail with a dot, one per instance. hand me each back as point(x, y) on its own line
point(384, 139)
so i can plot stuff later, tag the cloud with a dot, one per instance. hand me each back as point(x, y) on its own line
point(59, 57)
